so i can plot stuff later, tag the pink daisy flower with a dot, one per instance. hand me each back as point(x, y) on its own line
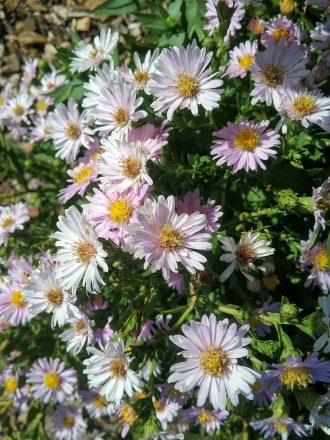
point(245, 145)
point(176, 281)
point(150, 139)
point(165, 239)
point(12, 218)
point(279, 27)
point(104, 334)
point(241, 59)
point(50, 381)
point(111, 212)
point(13, 308)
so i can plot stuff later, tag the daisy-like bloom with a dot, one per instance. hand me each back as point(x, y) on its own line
point(147, 331)
point(241, 59)
point(13, 308)
point(279, 64)
point(321, 40)
point(41, 106)
point(122, 166)
point(191, 203)
point(279, 27)
point(150, 368)
point(306, 106)
point(20, 269)
point(79, 254)
point(184, 79)
point(242, 255)
point(68, 423)
point(69, 130)
point(166, 411)
point(9, 381)
point(321, 203)
point(116, 110)
point(44, 293)
point(50, 381)
point(108, 370)
point(282, 426)
point(143, 70)
point(111, 212)
point(150, 139)
point(212, 19)
point(323, 342)
point(95, 304)
point(245, 145)
point(51, 81)
point(88, 56)
point(29, 72)
point(210, 420)
point(79, 334)
point(316, 260)
point(96, 405)
point(211, 350)
point(176, 281)
point(127, 417)
point(105, 78)
point(319, 416)
point(102, 335)
point(39, 130)
point(256, 26)
point(296, 372)
point(165, 239)
point(80, 178)
point(263, 391)
point(18, 109)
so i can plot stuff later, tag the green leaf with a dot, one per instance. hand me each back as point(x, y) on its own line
point(194, 19)
point(152, 21)
point(268, 348)
point(312, 325)
point(174, 8)
point(173, 40)
point(63, 93)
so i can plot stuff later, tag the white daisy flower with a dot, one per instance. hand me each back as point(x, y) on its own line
point(242, 255)
point(68, 423)
point(88, 56)
point(143, 70)
point(12, 218)
point(166, 411)
point(69, 130)
point(183, 79)
point(79, 334)
point(211, 351)
point(79, 254)
point(18, 109)
point(51, 81)
point(44, 294)
point(108, 370)
point(122, 166)
point(321, 39)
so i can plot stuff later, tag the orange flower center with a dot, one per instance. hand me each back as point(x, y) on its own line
point(273, 76)
point(247, 139)
point(170, 238)
point(85, 251)
point(187, 86)
point(72, 130)
point(214, 361)
point(120, 211)
point(304, 105)
point(55, 297)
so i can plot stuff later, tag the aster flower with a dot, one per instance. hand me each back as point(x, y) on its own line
point(69, 130)
point(150, 139)
point(279, 27)
point(12, 218)
point(88, 56)
point(96, 405)
point(241, 59)
point(210, 420)
point(149, 369)
point(79, 254)
point(263, 391)
point(321, 203)
point(212, 19)
point(279, 64)
point(166, 411)
point(122, 166)
point(279, 425)
point(18, 109)
point(127, 417)
point(147, 331)
point(256, 26)
point(108, 370)
point(9, 381)
point(169, 392)
point(44, 293)
point(319, 416)
point(242, 255)
point(323, 342)
point(102, 335)
point(165, 239)
point(50, 381)
point(39, 130)
point(5, 95)
point(41, 106)
point(183, 79)
point(51, 81)
point(68, 423)
point(79, 334)
point(176, 281)
point(111, 212)
point(13, 308)
point(321, 40)
point(316, 260)
point(211, 350)
point(143, 70)
point(20, 269)
point(95, 304)
point(105, 78)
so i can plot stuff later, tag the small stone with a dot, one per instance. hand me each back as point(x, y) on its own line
point(11, 5)
point(83, 24)
point(28, 37)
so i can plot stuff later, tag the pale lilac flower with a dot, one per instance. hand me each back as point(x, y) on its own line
point(279, 27)
point(42, 104)
point(321, 40)
point(169, 392)
point(245, 145)
point(18, 109)
point(243, 255)
point(88, 56)
point(102, 335)
point(241, 59)
point(5, 95)
point(150, 368)
point(162, 322)
point(69, 130)
point(279, 64)
point(39, 130)
point(108, 370)
point(212, 19)
point(79, 334)
point(105, 78)
point(80, 178)
point(211, 349)
point(29, 72)
point(9, 381)
point(46, 260)
point(51, 81)
point(184, 79)
point(279, 425)
point(50, 381)
point(95, 304)
point(20, 269)
point(176, 281)
point(13, 309)
point(165, 239)
point(68, 423)
point(263, 391)
point(79, 254)
point(96, 405)
point(323, 342)
point(210, 420)
point(321, 203)
point(166, 411)
point(147, 331)
point(143, 70)
point(150, 139)
point(191, 203)
point(316, 261)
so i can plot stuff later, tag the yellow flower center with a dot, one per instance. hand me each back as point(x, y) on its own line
point(320, 260)
point(214, 361)
point(121, 116)
point(7, 222)
point(128, 414)
point(83, 174)
point(281, 427)
point(255, 387)
point(247, 139)
point(205, 417)
point(98, 402)
point(304, 105)
point(85, 251)
point(244, 254)
point(273, 76)
point(80, 325)
point(270, 281)
point(170, 238)
point(55, 297)
point(159, 407)
point(41, 106)
point(68, 421)
point(286, 6)
point(117, 368)
point(95, 52)
point(187, 86)
point(52, 380)
point(120, 211)
point(19, 110)
point(72, 130)
point(292, 377)
point(279, 33)
point(245, 62)
point(11, 385)
point(17, 299)
point(131, 167)
point(141, 77)
point(2, 101)
point(140, 395)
